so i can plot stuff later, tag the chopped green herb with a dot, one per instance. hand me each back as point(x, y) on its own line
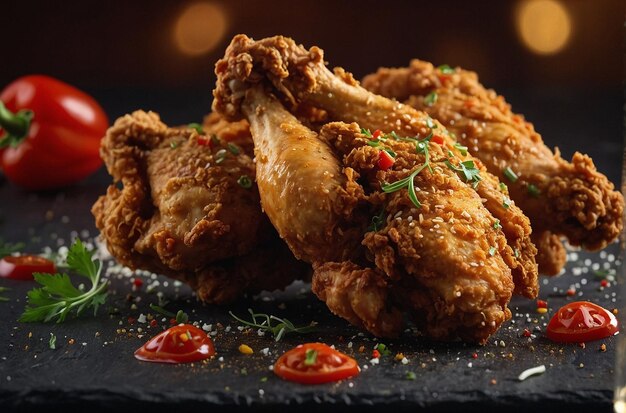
point(263, 379)
point(461, 148)
point(278, 330)
point(377, 221)
point(446, 69)
point(173, 144)
point(383, 350)
point(468, 170)
point(310, 357)
point(411, 375)
point(492, 251)
point(506, 203)
point(603, 274)
point(504, 188)
point(533, 191)
point(366, 132)
point(430, 123)
point(214, 140)
point(52, 343)
point(516, 252)
point(244, 181)
point(233, 148)
point(509, 174)
point(220, 156)
point(375, 144)
point(197, 127)
point(497, 225)
point(181, 317)
point(431, 98)
point(189, 335)
point(58, 296)
point(244, 371)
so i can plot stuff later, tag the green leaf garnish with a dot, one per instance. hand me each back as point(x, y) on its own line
point(468, 170)
point(279, 329)
point(492, 251)
point(497, 225)
point(503, 188)
point(431, 98)
point(8, 248)
point(310, 357)
point(506, 203)
point(233, 148)
point(58, 296)
point(52, 343)
point(446, 69)
point(383, 350)
point(181, 317)
point(197, 127)
point(411, 375)
point(461, 148)
point(366, 132)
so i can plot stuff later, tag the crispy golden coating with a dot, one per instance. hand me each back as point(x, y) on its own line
point(447, 262)
point(181, 212)
point(570, 199)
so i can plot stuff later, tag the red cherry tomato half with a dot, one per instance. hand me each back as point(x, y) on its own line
point(315, 363)
point(581, 321)
point(23, 266)
point(183, 343)
point(51, 133)
point(385, 161)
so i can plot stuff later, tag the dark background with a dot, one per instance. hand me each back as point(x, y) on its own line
point(124, 53)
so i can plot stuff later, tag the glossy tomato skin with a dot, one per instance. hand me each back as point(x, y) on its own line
point(183, 343)
point(330, 365)
point(581, 321)
point(63, 142)
point(23, 266)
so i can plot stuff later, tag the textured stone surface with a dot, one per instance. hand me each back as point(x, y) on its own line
point(92, 374)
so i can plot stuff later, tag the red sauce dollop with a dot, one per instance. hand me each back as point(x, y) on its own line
point(22, 267)
point(183, 343)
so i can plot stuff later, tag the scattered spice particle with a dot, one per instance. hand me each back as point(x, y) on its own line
point(71, 341)
point(615, 311)
point(570, 292)
point(411, 375)
point(582, 345)
point(542, 304)
point(475, 355)
point(542, 310)
point(493, 382)
point(603, 347)
point(376, 354)
point(604, 283)
point(361, 349)
point(581, 365)
point(526, 333)
point(399, 356)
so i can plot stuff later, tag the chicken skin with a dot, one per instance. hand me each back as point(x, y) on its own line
point(430, 235)
point(188, 207)
point(561, 198)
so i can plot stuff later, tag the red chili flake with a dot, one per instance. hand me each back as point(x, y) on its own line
point(137, 282)
point(153, 323)
point(526, 333)
point(376, 354)
point(438, 139)
point(570, 292)
point(542, 304)
point(377, 134)
point(443, 78)
point(475, 355)
point(604, 283)
point(131, 320)
point(204, 141)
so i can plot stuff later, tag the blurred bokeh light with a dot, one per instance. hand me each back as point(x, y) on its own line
point(544, 26)
point(199, 28)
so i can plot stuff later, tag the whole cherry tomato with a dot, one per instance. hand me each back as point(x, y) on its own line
point(51, 133)
point(22, 267)
point(581, 321)
point(183, 343)
point(315, 363)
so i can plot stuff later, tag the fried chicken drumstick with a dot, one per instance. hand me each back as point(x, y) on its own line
point(442, 246)
point(561, 198)
point(188, 207)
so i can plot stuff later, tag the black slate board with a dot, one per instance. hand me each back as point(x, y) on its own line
point(99, 372)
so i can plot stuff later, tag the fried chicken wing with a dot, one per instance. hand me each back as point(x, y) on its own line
point(569, 199)
point(188, 207)
point(439, 247)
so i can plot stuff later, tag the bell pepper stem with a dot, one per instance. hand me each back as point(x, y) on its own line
point(15, 125)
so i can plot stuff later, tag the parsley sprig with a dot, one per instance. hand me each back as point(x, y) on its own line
point(278, 330)
point(58, 296)
point(469, 171)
